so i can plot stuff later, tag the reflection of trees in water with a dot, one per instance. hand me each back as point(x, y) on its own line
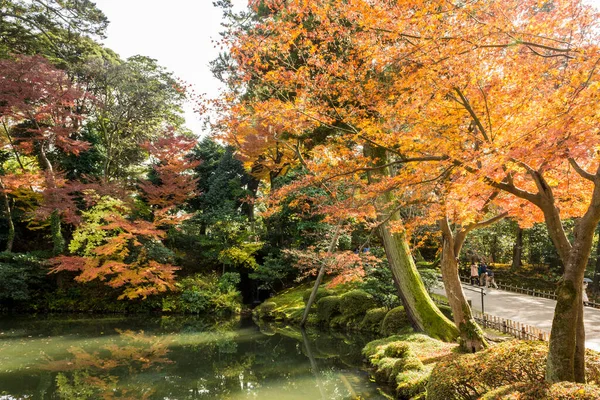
point(190, 358)
point(97, 374)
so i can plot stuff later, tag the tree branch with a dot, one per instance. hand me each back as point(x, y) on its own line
point(583, 173)
point(465, 103)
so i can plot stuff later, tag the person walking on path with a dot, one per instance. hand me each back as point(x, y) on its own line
point(482, 273)
point(490, 279)
point(474, 273)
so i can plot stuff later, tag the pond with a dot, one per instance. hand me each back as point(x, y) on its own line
point(84, 357)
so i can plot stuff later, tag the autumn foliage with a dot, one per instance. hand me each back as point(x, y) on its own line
point(113, 246)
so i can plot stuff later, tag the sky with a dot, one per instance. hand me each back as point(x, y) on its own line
point(177, 33)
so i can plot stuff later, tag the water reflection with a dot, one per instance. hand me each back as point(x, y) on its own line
point(176, 358)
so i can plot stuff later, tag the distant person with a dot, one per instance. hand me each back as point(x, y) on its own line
point(584, 294)
point(490, 279)
point(482, 273)
point(474, 273)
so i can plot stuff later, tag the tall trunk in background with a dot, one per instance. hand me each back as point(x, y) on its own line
point(58, 240)
point(517, 250)
point(597, 271)
point(8, 210)
point(422, 312)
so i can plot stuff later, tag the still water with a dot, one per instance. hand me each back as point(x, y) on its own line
point(172, 358)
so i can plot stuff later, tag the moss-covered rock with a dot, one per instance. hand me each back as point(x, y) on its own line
point(373, 320)
point(396, 349)
point(356, 302)
point(265, 310)
point(406, 360)
point(395, 321)
point(327, 308)
point(557, 391)
point(321, 292)
point(412, 384)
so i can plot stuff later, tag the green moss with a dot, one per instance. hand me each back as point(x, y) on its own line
point(447, 311)
point(406, 360)
point(397, 350)
point(356, 302)
point(373, 320)
point(327, 308)
point(395, 321)
point(412, 383)
point(321, 292)
point(266, 309)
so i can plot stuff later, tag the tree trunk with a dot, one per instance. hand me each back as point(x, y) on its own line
point(597, 272)
point(11, 226)
point(421, 310)
point(517, 250)
point(57, 238)
point(566, 355)
point(320, 275)
point(472, 338)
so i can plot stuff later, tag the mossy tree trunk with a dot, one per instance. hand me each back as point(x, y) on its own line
point(472, 338)
point(421, 310)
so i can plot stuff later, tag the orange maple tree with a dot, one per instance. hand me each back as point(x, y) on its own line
point(495, 94)
point(115, 247)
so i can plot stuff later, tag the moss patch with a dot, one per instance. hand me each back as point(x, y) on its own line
point(406, 360)
point(321, 292)
point(327, 308)
point(356, 302)
point(396, 321)
point(373, 320)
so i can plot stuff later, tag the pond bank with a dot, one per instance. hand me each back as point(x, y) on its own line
point(415, 366)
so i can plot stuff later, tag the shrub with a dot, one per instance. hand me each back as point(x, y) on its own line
point(379, 283)
point(373, 320)
point(472, 375)
point(204, 294)
point(412, 384)
point(395, 321)
point(356, 302)
point(321, 292)
point(19, 274)
point(229, 281)
point(536, 391)
point(328, 307)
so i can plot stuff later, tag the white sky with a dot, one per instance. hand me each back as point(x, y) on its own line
point(177, 33)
